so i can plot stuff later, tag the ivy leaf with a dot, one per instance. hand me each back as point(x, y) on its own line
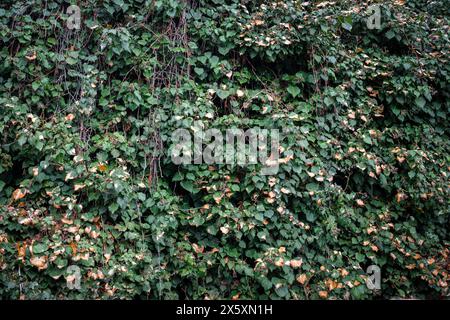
point(293, 90)
point(71, 61)
point(189, 186)
point(347, 26)
point(223, 94)
point(282, 291)
point(312, 187)
point(113, 207)
point(39, 248)
point(199, 71)
point(420, 102)
point(390, 34)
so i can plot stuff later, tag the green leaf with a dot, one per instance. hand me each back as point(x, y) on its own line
point(113, 207)
point(293, 90)
point(39, 248)
point(189, 186)
point(177, 177)
point(312, 187)
point(360, 257)
point(420, 102)
point(22, 140)
point(390, 34)
point(223, 94)
point(71, 61)
point(282, 291)
point(347, 26)
point(199, 71)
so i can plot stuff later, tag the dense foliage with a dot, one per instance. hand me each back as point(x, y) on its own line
point(86, 178)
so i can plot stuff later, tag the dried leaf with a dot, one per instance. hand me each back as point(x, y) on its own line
point(19, 194)
point(39, 262)
point(302, 278)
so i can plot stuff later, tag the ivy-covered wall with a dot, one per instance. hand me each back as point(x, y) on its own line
point(89, 192)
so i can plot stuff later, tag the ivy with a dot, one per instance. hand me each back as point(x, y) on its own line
point(87, 179)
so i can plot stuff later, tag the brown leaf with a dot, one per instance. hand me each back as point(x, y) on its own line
point(21, 249)
point(331, 284)
point(73, 246)
point(344, 273)
point(31, 57)
point(197, 248)
point(302, 278)
point(279, 262)
point(39, 262)
point(400, 197)
point(19, 194)
point(66, 221)
point(217, 199)
point(236, 297)
point(296, 263)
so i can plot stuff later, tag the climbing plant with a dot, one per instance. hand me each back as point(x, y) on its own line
point(87, 179)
